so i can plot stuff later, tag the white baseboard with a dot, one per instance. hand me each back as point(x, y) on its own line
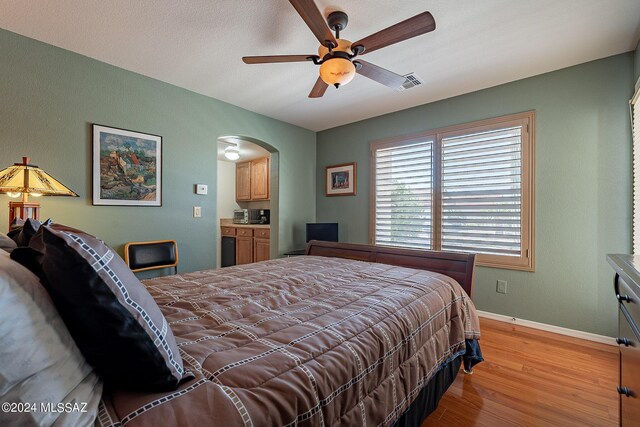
point(550, 328)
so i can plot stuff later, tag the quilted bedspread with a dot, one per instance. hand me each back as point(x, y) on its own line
point(301, 341)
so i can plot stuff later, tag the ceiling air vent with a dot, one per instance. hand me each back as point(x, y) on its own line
point(412, 80)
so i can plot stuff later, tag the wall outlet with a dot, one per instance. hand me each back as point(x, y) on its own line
point(501, 287)
point(197, 211)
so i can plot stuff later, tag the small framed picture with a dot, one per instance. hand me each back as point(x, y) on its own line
point(127, 167)
point(341, 180)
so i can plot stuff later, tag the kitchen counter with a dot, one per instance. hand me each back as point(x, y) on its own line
point(228, 222)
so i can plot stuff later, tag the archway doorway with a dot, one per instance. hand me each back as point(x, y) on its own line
point(248, 149)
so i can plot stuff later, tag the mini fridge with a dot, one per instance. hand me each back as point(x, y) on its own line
point(228, 256)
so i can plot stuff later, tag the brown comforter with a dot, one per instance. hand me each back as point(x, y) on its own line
point(304, 340)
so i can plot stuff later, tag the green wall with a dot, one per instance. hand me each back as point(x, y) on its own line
point(636, 61)
point(583, 193)
point(49, 97)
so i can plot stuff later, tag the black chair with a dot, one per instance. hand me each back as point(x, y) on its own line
point(142, 256)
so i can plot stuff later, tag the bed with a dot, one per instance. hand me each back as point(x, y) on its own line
point(345, 335)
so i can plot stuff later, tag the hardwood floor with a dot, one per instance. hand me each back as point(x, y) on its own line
point(533, 378)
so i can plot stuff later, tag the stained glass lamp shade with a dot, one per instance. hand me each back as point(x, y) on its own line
point(24, 179)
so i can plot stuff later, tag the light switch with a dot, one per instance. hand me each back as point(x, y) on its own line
point(501, 287)
point(202, 189)
point(197, 211)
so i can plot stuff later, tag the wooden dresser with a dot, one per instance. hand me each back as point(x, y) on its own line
point(627, 292)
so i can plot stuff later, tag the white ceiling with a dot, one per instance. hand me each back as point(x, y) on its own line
point(198, 45)
point(248, 150)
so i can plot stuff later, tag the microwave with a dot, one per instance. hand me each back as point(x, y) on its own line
point(251, 216)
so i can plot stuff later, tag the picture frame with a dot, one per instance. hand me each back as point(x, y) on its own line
point(126, 167)
point(341, 180)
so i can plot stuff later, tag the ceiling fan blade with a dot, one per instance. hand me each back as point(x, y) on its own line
point(276, 58)
point(318, 89)
point(379, 74)
point(412, 27)
point(309, 12)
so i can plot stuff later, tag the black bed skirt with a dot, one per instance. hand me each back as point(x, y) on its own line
point(429, 397)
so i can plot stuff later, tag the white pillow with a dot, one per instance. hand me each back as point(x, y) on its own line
point(7, 243)
point(39, 361)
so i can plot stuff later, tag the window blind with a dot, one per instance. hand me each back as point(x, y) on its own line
point(466, 188)
point(481, 192)
point(403, 195)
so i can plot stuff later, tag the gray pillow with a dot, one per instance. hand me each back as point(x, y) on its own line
point(41, 363)
point(6, 243)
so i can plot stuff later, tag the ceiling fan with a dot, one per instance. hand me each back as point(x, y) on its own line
point(336, 56)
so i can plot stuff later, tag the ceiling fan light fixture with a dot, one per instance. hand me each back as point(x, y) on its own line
point(337, 71)
point(344, 45)
point(232, 152)
point(335, 55)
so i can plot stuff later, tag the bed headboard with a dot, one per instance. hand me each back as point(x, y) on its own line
point(457, 266)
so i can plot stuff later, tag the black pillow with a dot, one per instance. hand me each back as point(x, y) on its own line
point(29, 258)
point(22, 231)
point(16, 223)
point(114, 320)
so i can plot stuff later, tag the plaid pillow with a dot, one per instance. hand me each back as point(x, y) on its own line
point(115, 322)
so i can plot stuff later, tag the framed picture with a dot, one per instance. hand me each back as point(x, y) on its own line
point(127, 167)
point(341, 180)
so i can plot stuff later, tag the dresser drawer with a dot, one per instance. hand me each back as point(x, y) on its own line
point(629, 371)
point(630, 300)
point(228, 231)
point(261, 232)
point(627, 291)
point(244, 232)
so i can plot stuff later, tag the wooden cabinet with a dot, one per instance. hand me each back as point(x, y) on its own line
point(244, 232)
point(261, 245)
point(262, 233)
point(252, 180)
point(260, 179)
point(244, 245)
point(244, 250)
point(252, 244)
point(243, 181)
point(228, 231)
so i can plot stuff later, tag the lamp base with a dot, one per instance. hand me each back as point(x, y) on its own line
point(23, 210)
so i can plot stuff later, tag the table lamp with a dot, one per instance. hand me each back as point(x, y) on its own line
point(24, 180)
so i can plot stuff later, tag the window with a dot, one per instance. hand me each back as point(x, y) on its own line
point(404, 192)
point(466, 188)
